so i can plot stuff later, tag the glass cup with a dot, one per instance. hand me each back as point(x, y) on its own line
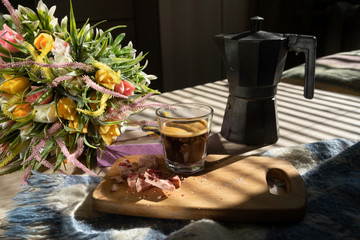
point(184, 130)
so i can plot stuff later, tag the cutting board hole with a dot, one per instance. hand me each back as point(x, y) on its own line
point(277, 181)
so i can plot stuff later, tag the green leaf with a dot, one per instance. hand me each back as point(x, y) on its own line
point(82, 33)
point(63, 132)
point(43, 97)
point(3, 119)
point(30, 28)
point(88, 144)
point(73, 30)
point(16, 166)
point(28, 12)
point(103, 35)
point(15, 142)
point(35, 78)
point(8, 136)
point(18, 125)
point(8, 71)
point(4, 51)
point(71, 141)
point(36, 90)
point(102, 50)
point(36, 130)
point(122, 61)
point(65, 93)
point(17, 46)
point(45, 153)
point(89, 155)
point(117, 41)
point(60, 159)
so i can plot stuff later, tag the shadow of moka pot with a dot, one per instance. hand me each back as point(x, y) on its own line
point(254, 62)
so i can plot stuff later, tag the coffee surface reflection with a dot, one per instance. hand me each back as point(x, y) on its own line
point(184, 141)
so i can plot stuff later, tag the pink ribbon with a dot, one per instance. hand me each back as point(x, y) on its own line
point(95, 86)
point(14, 16)
point(57, 80)
point(36, 150)
point(72, 158)
point(26, 175)
point(78, 65)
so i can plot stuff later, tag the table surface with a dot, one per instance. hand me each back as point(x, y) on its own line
point(329, 115)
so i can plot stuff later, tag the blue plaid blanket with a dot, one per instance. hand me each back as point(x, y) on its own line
point(60, 207)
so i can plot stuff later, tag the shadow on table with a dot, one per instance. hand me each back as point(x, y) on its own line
point(219, 145)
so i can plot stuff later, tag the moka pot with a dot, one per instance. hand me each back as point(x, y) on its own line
point(254, 62)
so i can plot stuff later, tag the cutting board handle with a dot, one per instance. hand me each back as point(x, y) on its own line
point(279, 182)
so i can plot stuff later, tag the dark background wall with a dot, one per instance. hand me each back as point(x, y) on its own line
point(178, 35)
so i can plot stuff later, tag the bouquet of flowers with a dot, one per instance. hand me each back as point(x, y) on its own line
point(64, 91)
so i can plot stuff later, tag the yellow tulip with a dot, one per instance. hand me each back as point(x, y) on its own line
point(106, 79)
point(44, 42)
point(66, 108)
point(21, 110)
point(14, 85)
point(75, 125)
point(109, 133)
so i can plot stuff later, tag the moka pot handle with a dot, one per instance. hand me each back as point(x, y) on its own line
point(307, 45)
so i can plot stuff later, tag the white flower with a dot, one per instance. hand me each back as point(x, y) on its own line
point(61, 47)
point(54, 22)
point(25, 148)
point(62, 59)
point(52, 11)
point(76, 82)
point(147, 78)
point(24, 131)
point(5, 124)
point(88, 35)
point(3, 100)
point(64, 23)
point(45, 113)
point(61, 51)
point(46, 13)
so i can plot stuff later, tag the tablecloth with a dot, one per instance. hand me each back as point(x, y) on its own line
point(60, 207)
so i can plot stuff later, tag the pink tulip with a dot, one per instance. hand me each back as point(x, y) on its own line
point(117, 115)
point(33, 97)
point(11, 36)
point(124, 88)
point(4, 147)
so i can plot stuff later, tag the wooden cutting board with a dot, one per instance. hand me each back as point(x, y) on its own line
point(231, 188)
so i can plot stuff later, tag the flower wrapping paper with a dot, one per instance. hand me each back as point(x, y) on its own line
point(113, 152)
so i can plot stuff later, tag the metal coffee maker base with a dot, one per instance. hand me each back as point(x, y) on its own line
point(251, 122)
